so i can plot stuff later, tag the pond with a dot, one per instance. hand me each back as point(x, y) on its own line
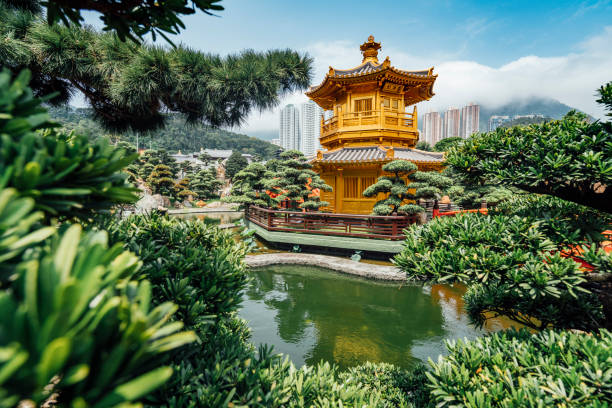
point(312, 314)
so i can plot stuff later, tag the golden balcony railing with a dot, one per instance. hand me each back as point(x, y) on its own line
point(375, 119)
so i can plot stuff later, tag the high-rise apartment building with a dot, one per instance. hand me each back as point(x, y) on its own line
point(310, 120)
point(452, 123)
point(432, 128)
point(470, 116)
point(290, 130)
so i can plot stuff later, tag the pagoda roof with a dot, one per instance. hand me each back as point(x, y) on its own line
point(415, 86)
point(380, 154)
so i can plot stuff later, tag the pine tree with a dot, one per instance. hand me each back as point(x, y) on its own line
point(234, 164)
point(253, 185)
point(130, 86)
point(161, 180)
point(396, 189)
point(205, 184)
point(299, 182)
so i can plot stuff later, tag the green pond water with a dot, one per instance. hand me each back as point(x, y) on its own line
point(312, 314)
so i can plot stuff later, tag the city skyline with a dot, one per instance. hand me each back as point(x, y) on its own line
point(299, 127)
point(493, 53)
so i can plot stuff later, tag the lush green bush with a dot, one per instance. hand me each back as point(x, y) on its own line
point(563, 222)
point(75, 328)
point(72, 317)
point(64, 173)
point(395, 189)
point(508, 265)
point(250, 186)
point(519, 369)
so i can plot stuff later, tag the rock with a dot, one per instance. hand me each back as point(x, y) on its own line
point(187, 204)
point(166, 202)
point(148, 202)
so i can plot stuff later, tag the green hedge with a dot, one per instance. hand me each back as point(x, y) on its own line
point(508, 266)
point(520, 369)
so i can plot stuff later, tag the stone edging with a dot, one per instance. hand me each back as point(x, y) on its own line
point(382, 272)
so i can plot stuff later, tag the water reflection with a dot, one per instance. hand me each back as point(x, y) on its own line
point(217, 217)
point(312, 314)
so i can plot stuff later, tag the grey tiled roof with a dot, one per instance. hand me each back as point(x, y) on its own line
point(362, 69)
point(418, 155)
point(373, 153)
point(355, 154)
point(370, 67)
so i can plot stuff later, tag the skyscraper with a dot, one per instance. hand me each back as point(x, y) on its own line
point(432, 128)
point(470, 116)
point(451, 123)
point(310, 120)
point(289, 133)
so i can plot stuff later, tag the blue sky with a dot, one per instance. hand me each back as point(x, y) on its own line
point(488, 52)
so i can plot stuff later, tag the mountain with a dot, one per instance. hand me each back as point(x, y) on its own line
point(548, 108)
point(177, 135)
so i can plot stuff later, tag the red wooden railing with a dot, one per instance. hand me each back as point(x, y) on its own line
point(349, 225)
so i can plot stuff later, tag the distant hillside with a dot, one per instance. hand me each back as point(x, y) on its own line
point(548, 108)
point(174, 137)
point(525, 121)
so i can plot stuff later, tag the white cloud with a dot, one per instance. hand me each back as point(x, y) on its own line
point(570, 79)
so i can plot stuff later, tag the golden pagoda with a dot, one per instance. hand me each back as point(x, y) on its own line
point(370, 126)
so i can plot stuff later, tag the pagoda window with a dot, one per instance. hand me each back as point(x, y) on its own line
point(354, 186)
point(395, 104)
point(386, 102)
point(363, 105)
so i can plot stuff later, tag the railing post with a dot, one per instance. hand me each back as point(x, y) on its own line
point(270, 215)
point(394, 228)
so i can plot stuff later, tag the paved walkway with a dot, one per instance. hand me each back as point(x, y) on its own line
point(337, 264)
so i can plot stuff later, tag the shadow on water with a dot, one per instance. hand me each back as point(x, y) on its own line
point(313, 314)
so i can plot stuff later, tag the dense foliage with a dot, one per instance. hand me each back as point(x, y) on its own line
point(395, 189)
point(205, 184)
point(508, 267)
point(445, 144)
point(76, 327)
point(131, 19)
point(298, 182)
point(569, 158)
point(252, 185)
point(175, 136)
point(129, 85)
point(65, 174)
point(514, 369)
point(422, 145)
point(235, 163)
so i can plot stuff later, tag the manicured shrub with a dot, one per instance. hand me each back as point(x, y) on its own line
point(507, 263)
point(521, 369)
point(563, 222)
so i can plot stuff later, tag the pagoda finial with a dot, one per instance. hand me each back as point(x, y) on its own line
point(369, 49)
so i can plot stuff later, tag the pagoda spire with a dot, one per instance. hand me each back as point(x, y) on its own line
point(369, 49)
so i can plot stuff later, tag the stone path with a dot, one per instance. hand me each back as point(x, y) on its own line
point(382, 272)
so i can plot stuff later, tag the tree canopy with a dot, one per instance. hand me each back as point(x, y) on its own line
point(445, 144)
point(234, 164)
point(129, 85)
point(569, 158)
point(129, 19)
point(396, 189)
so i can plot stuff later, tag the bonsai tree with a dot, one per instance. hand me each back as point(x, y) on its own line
point(430, 185)
point(299, 182)
point(186, 168)
point(161, 180)
point(234, 164)
point(204, 184)
point(253, 185)
point(205, 158)
point(181, 189)
point(396, 189)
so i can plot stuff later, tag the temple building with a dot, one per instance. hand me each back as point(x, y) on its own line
point(370, 126)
